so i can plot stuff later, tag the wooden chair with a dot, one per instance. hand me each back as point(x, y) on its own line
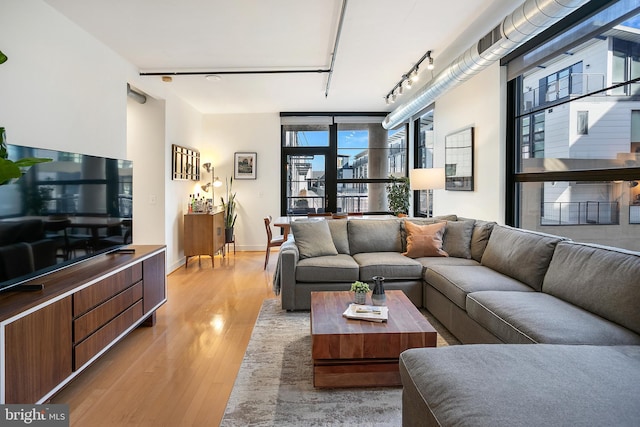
point(271, 241)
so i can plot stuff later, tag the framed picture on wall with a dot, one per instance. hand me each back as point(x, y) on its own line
point(244, 165)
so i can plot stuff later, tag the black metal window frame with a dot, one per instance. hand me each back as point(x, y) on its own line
point(512, 149)
point(331, 160)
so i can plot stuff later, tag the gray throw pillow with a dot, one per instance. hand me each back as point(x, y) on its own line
point(480, 237)
point(374, 235)
point(457, 239)
point(338, 228)
point(313, 238)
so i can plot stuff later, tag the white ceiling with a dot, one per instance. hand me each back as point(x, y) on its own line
point(380, 41)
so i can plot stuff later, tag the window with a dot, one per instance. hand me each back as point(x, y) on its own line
point(574, 161)
point(424, 147)
point(583, 123)
point(339, 163)
point(532, 135)
point(305, 163)
point(625, 66)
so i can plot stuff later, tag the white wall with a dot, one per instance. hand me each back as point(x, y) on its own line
point(184, 128)
point(478, 103)
point(260, 133)
point(146, 141)
point(60, 88)
point(63, 89)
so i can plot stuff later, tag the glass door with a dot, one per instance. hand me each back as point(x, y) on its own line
point(306, 184)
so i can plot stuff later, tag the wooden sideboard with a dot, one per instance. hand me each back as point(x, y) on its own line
point(203, 235)
point(49, 336)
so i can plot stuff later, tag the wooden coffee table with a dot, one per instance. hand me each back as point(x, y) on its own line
point(358, 353)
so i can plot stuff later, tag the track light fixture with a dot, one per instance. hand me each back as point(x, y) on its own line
point(409, 78)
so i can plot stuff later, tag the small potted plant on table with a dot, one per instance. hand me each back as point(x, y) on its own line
point(360, 290)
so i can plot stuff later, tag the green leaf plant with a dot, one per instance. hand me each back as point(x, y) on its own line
point(10, 169)
point(398, 193)
point(229, 206)
point(360, 287)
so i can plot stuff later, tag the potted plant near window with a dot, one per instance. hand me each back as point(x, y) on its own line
point(398, 195)
point(230, 214)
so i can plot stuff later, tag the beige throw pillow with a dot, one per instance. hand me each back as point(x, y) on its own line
point(424, 240)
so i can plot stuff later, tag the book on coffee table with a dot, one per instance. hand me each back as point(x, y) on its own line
point(372, 313)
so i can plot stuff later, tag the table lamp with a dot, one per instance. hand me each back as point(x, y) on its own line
point(427, 179)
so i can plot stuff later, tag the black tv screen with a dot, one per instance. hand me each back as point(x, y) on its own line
point(62, 211)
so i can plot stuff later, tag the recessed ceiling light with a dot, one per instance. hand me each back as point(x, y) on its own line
point(213, 78)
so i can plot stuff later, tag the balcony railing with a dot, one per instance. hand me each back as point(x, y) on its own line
point(573, 85)
point(315, 204)
point(580, 213)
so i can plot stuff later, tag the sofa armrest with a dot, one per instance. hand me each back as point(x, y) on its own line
point(289, 257)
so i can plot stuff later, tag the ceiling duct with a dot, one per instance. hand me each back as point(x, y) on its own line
point(528, 20)
point(135, 95)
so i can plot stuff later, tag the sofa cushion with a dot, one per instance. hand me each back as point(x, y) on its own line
point(428, 262)
point(313, 238)
point(9, 231)
point(480, 238)
point(520, 385)
point(390, 265)
point(374, 235)
point(30, 230)
point(600, 279)
point(457, 238)
point(456, 281)
point(339, 235)
point(521, 254)
point(335, 268)
point(424, 240)
point(16, 260)
point(536, 317)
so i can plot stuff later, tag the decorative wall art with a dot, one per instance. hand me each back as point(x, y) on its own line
point(244, 166)
point(458, 150)
point(185, 163)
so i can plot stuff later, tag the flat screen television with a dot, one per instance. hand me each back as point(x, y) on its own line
point(62, 212)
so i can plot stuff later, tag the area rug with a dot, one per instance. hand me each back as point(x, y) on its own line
point(274, 385)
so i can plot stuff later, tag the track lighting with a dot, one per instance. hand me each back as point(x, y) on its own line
point(430, 65)
point(407, 79)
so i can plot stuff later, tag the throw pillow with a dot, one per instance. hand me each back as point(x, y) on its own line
point(424, 240)
point(313, 238)
point(457, 238)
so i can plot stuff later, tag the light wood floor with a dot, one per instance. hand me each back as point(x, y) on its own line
point(181, 371)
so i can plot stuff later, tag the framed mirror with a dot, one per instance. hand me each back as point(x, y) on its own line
point(185, 163)
point(458, 149)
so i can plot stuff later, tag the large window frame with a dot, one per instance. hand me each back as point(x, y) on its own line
point(331, 153)
point(517, 109)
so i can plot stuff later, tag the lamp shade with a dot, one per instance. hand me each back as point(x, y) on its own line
point(426, 179)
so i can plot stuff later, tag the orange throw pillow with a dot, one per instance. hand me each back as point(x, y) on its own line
point(424, 240)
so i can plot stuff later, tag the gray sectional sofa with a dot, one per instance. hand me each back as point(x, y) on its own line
point(499, 285)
